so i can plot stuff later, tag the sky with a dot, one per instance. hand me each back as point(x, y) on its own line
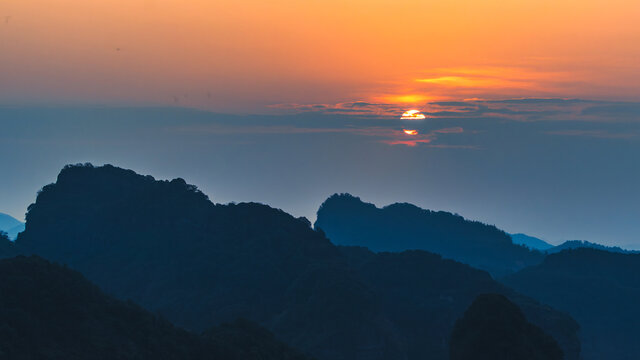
point(246, 56)
point(532, 107)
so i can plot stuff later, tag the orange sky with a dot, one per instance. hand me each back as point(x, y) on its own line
point(242, 56)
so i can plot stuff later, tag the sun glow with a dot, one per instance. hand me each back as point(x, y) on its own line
point(410, 132)
point(412, 115)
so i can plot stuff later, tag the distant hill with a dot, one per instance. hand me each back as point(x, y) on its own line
point(539, 244)
point(14, 231)
point(495, 328)
point(8, 222)
point(50, 312)
point(530, 242)
point(10, 225)
point(347, 220)
point(576, 244)
point(600, 289)
point(164, 245)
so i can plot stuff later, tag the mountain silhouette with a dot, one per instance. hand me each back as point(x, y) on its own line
point(167, 247)
point(494, 328)
point(51, 312)
point(347, 220)
point(600, 289)
point(531, 242)
point(164, 245)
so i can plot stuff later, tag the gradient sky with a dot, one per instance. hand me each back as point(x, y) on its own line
point(243, 56)
point(533, 107)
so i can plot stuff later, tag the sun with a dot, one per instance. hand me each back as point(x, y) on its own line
point(410, 132)
point(412, 115)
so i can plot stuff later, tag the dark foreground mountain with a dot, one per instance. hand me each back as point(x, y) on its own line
point(50, 312)
point(348, 221)
point(425, 294)
point(531, 242)
point(164, 245)
point(495, 328)
point(7, 248)
point(246, 340)
point(600, 289)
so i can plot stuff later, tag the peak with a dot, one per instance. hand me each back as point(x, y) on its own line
point(340, 197)
point(73, 170)
point(344, 201)
point(404, 206)
point(112, 191)
point(87, 174)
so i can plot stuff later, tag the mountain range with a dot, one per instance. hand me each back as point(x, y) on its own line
point(577, 244)
point(541, 245)
point(595, 284)
point(167, 247)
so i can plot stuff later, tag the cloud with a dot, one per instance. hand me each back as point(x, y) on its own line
point(235, 130)
point(477, 118)
point(361, 104)
point(602, 134)
point(362, 108)
point(620, 110)
point(530, 91)
point(386, 135)
point(410, 143)
point(400, 138)
point(519, 109)
point(534, 78)
point(472, 82)
point(538, 109)
point(453, 130)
